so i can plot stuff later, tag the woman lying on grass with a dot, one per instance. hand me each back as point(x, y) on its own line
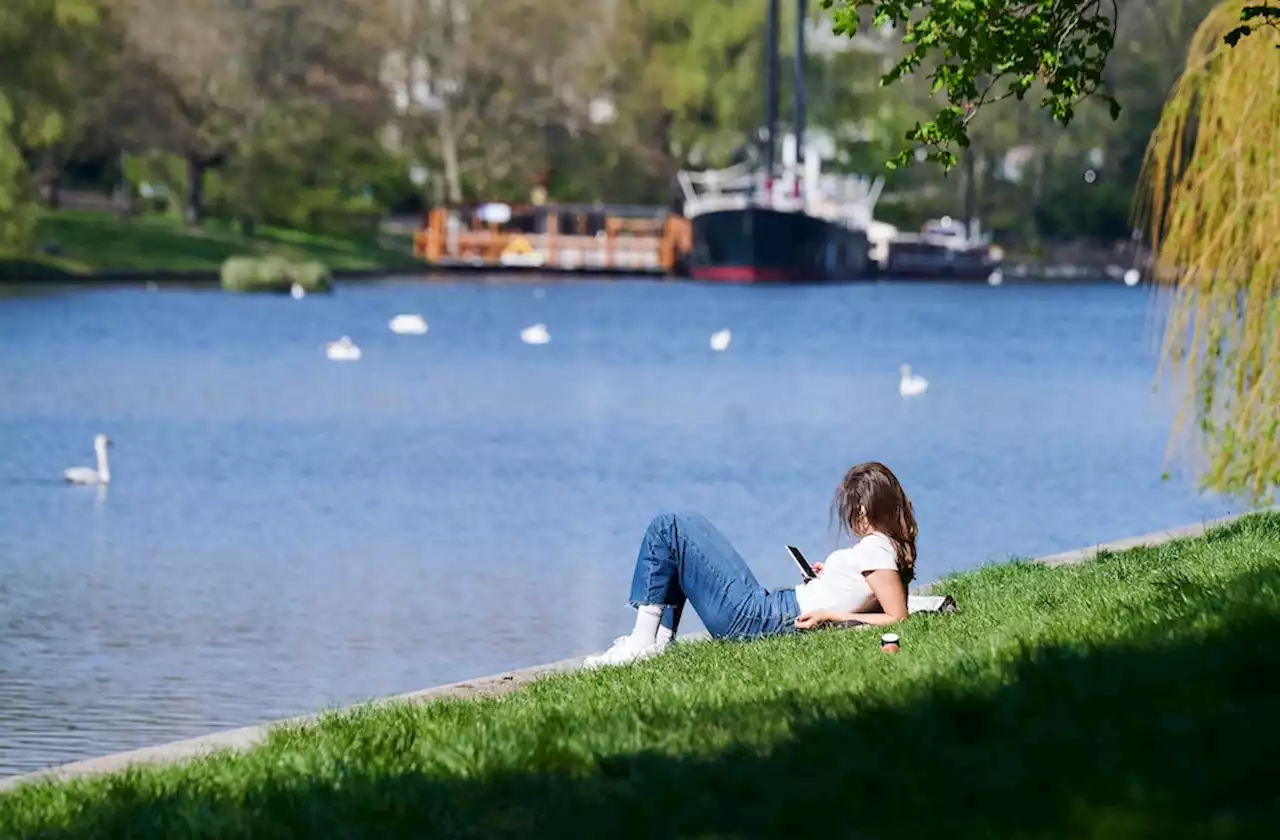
point(684, 558)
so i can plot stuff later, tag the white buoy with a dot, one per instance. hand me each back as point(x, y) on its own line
point(408, 325)
point(342, 350)
point(536, 334)
point(910, 385)
point(297, 292)
point(720, 340)
point(1132, 276)
point(995, 278)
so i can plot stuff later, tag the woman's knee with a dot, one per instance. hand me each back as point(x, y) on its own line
point(667, 523)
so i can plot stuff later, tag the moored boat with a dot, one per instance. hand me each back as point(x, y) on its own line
point(758, 224)
point(943, 249)
point(739, 235)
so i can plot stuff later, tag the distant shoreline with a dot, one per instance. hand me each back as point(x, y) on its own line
point(13, 273)
point(91, 248)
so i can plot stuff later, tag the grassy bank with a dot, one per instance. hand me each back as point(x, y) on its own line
point(89, 241)
point(1134, 696)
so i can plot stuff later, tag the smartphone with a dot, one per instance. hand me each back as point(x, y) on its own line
point(806, 571)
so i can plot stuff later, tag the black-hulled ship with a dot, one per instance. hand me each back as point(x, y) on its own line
point(757, 243)
point(754, 224)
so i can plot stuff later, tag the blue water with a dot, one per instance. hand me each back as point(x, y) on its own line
point(285, 533)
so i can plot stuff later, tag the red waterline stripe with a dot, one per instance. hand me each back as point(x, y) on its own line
point(744, 274)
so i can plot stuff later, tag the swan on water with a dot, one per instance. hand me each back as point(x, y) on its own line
point(297, 292)
point(720, 340)
point(88, 475)
point(342, 350)
point(911, 385)
point(1132, 276)
point(995, 278)
point(537, 334)
point(409, 325)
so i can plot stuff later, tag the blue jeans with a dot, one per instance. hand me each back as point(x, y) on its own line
point(685, 558)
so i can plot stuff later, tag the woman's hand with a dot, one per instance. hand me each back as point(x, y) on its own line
point(817, 569)
point(815, 618)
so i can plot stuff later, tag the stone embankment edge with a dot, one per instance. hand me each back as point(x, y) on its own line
point(492, 686)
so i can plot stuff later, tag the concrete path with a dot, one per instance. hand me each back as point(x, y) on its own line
point(483, 687)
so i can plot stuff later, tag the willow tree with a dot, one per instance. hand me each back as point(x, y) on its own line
point(1212, 206)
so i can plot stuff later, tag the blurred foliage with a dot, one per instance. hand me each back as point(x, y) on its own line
point(328, 114)
point(33, 98)
point(274, 273)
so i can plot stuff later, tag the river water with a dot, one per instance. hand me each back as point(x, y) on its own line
point(284, 533)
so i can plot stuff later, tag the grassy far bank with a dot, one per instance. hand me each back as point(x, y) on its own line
point(93, 241)
point(1133, 696)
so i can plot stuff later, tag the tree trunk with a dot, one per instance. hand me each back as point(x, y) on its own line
point(970, 190)
point(193, 208)
point(449, 157)
point(122, 194)
point(47, 178)
point(1037, 197)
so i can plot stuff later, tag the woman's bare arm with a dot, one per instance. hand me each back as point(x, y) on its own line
point(891, 595)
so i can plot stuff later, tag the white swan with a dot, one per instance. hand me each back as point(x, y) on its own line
point(537, 334)
point(995, 278)
point(342, 350)
point(910, 385)
point(720, 340)
point(297, 292)
point(408, 325)
point(1132, 276)
point(88, 475)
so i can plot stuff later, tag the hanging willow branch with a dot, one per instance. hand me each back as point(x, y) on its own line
point(1212, 205)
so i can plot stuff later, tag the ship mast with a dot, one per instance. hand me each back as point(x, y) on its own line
point(799, 82)
point(770, 96)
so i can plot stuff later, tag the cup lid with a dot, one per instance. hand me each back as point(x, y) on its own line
point(891, 638)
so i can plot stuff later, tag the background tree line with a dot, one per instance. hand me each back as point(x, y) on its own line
point(329, 114)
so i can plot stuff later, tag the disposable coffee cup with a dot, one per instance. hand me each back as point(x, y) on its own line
point(890, 643)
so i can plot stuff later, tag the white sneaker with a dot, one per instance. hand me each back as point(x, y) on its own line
point(624, 651)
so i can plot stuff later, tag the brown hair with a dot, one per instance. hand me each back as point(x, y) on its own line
point(871, 498)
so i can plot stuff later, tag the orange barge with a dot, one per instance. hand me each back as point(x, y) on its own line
point(589, 239)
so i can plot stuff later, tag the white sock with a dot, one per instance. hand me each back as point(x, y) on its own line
point(665, 635)
point(648, 618)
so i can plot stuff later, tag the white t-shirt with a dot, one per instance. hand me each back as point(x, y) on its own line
point(842, 586)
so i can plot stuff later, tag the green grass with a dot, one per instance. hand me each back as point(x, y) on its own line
point(90, 241)
point(1134, 696)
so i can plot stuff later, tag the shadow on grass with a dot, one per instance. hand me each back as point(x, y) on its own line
point(1172, 735)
